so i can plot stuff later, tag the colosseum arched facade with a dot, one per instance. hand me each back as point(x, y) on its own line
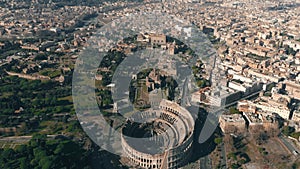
point(175, 124)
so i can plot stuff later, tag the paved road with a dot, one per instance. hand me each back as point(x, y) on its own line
point(21, 139)
point(285, 141)
point(185, 100)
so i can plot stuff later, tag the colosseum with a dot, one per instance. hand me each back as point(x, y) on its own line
point(159, 138)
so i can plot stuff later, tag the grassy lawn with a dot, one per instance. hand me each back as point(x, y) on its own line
point(6, 145)
point(6, 94)
point(68, 98)
point(52, 127)
point(98, 84)
point(50, 72)
point(142, 91)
